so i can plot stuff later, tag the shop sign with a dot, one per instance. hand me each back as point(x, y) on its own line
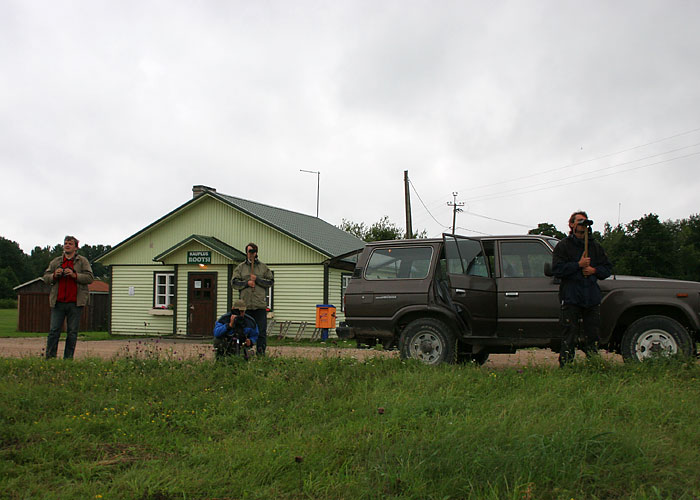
point(199, 257)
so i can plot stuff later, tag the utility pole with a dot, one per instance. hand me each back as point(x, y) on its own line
point(318, 185)
point(455, 208)
point(407, 196)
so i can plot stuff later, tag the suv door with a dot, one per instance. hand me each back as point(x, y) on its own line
point(394, 277)
point(528, 301)
point(468, 267)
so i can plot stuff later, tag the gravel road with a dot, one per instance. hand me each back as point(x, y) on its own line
point(187, 349)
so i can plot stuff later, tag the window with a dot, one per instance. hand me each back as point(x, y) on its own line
point(399, 263)
point(269, 293)
point(466, 256)
point(164, 290)
point(524, 259)
point(344, 281)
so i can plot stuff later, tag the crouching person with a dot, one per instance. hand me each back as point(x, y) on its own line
point(235, 332)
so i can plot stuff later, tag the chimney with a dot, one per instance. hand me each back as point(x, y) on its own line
point(200, 190)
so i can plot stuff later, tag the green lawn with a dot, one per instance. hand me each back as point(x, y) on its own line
point(8, 328)
point(341, 429)
point(8, 322)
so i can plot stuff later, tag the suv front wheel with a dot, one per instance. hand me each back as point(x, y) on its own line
point(428, 340)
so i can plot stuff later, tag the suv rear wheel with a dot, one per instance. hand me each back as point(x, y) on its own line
point(428, 340)
point(655, 336)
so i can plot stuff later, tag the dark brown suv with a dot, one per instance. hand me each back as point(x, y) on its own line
point(459, 298)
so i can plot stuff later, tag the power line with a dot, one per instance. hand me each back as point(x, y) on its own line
point(426, 208)
point(589, 160)
point(526, 189)
point(589, 179)
point(458, 227)
point(488, 196)
point(473, 231)
point(498, 220)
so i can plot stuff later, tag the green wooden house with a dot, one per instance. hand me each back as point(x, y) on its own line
point(173, 277)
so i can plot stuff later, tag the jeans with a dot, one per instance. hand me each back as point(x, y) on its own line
point(570, 317)
point(260, 317)
point(70, 312)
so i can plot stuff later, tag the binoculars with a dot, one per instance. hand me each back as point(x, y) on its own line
point(587, 223)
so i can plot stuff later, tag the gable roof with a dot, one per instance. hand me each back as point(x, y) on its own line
point(312, 231)
point(315, 232)
point(209, 241)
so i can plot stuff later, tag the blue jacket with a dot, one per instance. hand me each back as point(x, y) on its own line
point(249, 327)
point(575, 288)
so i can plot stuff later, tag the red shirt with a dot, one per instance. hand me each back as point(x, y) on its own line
point(67, 287)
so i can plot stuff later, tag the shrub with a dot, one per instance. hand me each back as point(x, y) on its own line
point(8, 303)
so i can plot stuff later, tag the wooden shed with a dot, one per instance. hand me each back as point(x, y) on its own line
point(34, 313)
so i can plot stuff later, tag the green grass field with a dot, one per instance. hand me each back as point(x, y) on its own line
point(8, 328)
point(338, 428)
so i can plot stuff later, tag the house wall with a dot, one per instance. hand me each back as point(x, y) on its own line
point(297, 290)
point(131, 314)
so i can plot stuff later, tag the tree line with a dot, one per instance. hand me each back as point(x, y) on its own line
point(16, 267)
point(648, 246)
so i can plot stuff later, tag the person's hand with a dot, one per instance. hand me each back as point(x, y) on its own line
point(58, 272)
point(588, 270)
point(232, 321)
point(584, 262)
point(68, 273)
point(251, 281)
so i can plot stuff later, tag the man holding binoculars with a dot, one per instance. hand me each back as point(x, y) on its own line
point(579, 262)
point(69, 276)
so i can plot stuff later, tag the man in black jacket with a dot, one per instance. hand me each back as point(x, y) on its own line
point(579, 292)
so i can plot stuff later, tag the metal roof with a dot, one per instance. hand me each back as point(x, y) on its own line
point(312, 231)
point(315, 232)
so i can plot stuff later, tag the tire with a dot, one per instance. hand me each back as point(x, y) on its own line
point(653, 336)
point(428, 340)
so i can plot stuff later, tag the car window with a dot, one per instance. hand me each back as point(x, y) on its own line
point(524, 259)
point(465, 256)
point(399, 263)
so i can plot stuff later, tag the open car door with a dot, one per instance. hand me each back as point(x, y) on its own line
point(468, 266)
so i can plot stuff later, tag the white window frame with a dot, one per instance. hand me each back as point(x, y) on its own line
point(269, 293)
point(163, 300)
point(344, 282)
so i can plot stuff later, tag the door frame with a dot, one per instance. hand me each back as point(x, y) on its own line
point(190, 279)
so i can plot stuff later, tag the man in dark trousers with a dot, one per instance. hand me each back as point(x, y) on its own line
point(253, 278)
point(579, 293)
point(69, 276)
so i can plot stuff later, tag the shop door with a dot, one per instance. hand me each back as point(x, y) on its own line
point(201, 295)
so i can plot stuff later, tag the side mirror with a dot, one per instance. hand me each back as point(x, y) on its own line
point(548, 269)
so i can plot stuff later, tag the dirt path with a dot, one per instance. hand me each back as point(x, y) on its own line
point(185, 349)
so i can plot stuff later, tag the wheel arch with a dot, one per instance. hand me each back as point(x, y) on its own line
point(407, 316)
point(638, 311)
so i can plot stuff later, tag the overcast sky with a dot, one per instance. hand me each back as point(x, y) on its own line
point(112, 111)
